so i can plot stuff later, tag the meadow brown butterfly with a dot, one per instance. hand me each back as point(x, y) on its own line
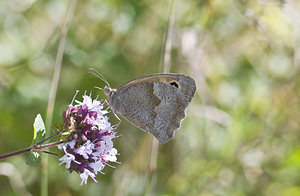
point(154, 103)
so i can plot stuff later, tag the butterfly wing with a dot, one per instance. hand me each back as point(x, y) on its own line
point(155, 103)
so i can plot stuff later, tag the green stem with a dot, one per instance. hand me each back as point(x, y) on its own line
point(166, 66)
point(51, 101)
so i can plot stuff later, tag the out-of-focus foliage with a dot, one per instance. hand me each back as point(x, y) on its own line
point(242, 131)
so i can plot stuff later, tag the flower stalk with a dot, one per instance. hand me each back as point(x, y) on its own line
point(29, 149)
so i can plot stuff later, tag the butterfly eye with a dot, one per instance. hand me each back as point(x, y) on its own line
point(175, 84)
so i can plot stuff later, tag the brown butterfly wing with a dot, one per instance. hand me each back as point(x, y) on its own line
point(156, 106)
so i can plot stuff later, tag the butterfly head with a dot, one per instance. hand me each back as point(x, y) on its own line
point(108, 91)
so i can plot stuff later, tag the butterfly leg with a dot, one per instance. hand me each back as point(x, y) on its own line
point(117, 125)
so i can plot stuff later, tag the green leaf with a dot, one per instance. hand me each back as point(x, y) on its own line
point(33, 158)
point(39, 129)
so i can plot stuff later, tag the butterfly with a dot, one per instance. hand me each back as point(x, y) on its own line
point(154, 103)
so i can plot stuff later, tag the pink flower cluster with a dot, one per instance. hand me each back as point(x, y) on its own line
point(88, 145)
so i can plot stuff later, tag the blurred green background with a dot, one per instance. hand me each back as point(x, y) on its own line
point(241, 135)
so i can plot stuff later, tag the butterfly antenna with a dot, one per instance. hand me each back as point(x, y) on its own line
point(99, 88)
point(98, 75)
